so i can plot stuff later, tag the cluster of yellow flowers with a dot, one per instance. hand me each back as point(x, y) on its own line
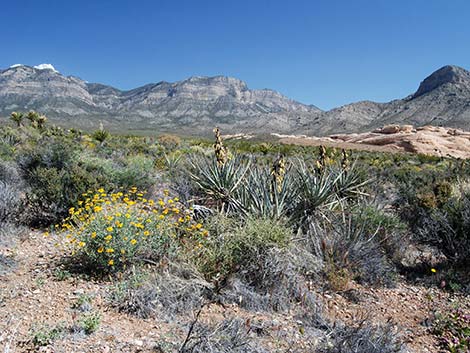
point(113, 229)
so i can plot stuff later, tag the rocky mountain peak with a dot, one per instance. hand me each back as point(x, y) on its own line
point(449, 74)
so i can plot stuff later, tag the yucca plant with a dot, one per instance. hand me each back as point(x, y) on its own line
point(263, 198)
point(220, 183)
point(172, 161)
point(100, 135)
point(350, 183)
point(313, 190)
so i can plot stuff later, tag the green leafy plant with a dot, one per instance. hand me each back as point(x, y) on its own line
point(453, 329)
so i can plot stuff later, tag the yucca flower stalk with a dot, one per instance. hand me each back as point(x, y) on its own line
point(220, 150)
point(345, 160)
point(322, 159)
point(278, 171)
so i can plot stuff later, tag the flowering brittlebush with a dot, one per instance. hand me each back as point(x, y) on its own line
point(109, 231)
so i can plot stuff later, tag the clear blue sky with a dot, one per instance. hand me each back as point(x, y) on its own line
point(326, 53)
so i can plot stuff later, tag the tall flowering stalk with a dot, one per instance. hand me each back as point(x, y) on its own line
point(278, 171)
point(220, 150)
point(345, 160)
point(322, 160)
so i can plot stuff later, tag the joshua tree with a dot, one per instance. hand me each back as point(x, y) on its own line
point(33, 117)
point(40, 121)
point(17, 118)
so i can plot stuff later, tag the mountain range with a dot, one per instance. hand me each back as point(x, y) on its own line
point(195, 105)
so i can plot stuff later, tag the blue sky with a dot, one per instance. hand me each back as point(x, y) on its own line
point(326, 53)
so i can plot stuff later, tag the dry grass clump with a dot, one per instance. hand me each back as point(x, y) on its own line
point(363, 338)
point(163, 294)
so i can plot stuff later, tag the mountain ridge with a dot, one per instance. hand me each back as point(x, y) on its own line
point(196, 104)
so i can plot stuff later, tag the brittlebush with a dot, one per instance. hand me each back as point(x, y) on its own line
point(110, 231)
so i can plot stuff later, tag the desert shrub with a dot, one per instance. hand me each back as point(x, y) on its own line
point(277, 281)
point(53, 178)
point(136, 171)
point(87, 324)
point(43, 335)
point(170, 142)
point(10, 234)
point(109, 231)
point(391, 233)
point(9, 202)
point(350, 250)
point(453, 330)
point(175, 290)
point(441, 218)
point(363, 338)
point(230, 335)
point(231, 246)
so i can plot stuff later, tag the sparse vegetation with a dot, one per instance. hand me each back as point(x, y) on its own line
point(169, 227)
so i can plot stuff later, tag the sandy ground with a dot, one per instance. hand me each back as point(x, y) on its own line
point(31, 295)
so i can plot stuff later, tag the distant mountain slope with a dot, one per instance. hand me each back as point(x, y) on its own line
point(442, 99)
point(194, 105)
point(197, 104)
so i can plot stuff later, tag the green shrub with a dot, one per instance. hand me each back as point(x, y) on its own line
point(44, 335)
point(231, 246)
point(441, 220)
point(89, 323)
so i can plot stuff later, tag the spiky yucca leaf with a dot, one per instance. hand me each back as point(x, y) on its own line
point(220, 183)
point(350, 183)
point(261, 199)
point(313, 190)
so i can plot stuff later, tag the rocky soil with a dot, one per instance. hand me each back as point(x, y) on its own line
point(33, 294)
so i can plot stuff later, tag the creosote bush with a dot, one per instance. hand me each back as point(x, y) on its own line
point(230, 247)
